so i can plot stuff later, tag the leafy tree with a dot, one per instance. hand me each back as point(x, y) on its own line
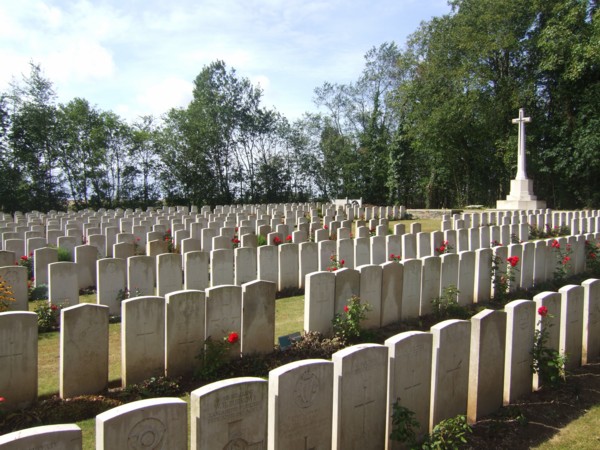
point(83, 153)
point(144, 162)
point(33, 144)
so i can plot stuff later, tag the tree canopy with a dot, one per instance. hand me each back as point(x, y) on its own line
point(427, 124)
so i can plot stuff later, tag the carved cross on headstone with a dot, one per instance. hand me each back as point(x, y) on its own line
point(521, 120)
point(363, 405)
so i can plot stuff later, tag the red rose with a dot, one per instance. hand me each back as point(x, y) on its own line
point(233, 337)
point(24, 258)
point(342, 262)
point(543, 311)
point(513, 260)
point(53, 307)
point(555, 244)
point(346, 309)
point(289, 238)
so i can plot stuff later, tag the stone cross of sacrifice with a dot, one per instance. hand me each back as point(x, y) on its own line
point(522, 120)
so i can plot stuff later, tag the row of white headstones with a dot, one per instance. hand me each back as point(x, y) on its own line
point(458, 367)
point(287, 265)
point(223, 293)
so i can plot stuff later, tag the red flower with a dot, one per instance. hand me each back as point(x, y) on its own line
point(24, 258)
point(342, 262)
point(235, 240)
point(276, 240)
point(288, 238)
point(543, 311)
point(513, 260)
point(325, 227)
point(441, 249)
point(555, 244)
point(233, 337)
point(53, 307)
point(346, 309)
point(565, 260)
point(391, 256)
point(2, 399)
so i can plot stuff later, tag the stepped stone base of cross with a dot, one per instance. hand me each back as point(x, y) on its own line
point(521, 197)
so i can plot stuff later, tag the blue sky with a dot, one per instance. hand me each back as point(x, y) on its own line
point(138, 57)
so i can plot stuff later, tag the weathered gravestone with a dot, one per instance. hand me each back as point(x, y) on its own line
point(571, 324)
point(184, 333)
point(258, 317)
point(347, 284)
point(141, 275)
point(59, 437)
point(370, 293)
point(19, 356)
point(268, 263)
point(359, 397)
point(300, 405)
point(245, 265)
point(409, 379)
point(112, 283)
point(449, 370)
point(142, 339)
point(83, 350)
point(169, 274)
point(486, 363)
point(221, 267)
point(520, 323)
point(196, 269)
point(223, 313)
point(230, 414)
point(288, 266)
point(64, 285)
point(550, 324)
point(591, 321)
point(158, 423)
point(15, 278)
point(43, 257)
point(319, 302)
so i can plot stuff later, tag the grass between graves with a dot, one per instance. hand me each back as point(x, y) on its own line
point(536, 421)
point(582, 433)
point(289, 314)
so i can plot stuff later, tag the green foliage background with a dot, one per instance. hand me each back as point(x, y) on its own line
point(427, 124)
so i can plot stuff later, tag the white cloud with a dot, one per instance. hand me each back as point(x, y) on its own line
point(142, 57)
point(79, 61)
point(170, 92)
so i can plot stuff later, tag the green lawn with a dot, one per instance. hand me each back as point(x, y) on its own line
point(582, 433)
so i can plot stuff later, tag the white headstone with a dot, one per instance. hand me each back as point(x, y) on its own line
point(142, 339)
point(83, 350)
point(157, 423)
point(184, 332)
point(359, 397)
point(300, 405)
point(230, 414)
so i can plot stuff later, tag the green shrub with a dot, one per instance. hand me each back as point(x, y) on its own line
point(448, 434)
point(64, 254)
point(446, 306)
